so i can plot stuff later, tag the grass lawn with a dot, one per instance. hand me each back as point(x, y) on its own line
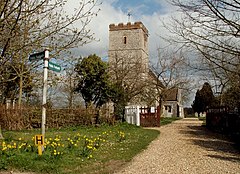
point(168, 120)
point(203, 119)
point(74, 150)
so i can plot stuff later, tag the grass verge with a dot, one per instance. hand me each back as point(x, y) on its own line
point(202, 119)
point(168, 120)
point(74, 150)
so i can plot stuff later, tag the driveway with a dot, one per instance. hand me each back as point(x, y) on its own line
point(186, 147)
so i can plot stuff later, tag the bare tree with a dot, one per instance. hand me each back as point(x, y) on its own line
point(171, 72)
point(69, 83)
point(149, 86)
point(31, 25)
point(128, 72)
point(212, 28)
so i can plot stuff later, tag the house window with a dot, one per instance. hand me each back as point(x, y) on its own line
point(168, 109)
point(125, 40)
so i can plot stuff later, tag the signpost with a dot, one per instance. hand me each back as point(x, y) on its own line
point(39, 139)
point(44, 102)
point(37, 56)
point(54, 67)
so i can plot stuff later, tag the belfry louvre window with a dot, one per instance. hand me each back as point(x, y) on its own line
point(125, 40)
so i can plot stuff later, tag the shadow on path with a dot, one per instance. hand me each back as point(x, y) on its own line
point(229, 158)
point(211, 141)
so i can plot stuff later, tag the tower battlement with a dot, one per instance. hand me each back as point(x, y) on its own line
point(128, 26)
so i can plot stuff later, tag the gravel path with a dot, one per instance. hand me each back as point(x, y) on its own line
point(185, 147)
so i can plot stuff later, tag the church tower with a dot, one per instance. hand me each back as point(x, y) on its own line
point(128, 46)
point(128, 58)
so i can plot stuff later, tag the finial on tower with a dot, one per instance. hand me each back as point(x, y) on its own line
point(129, 15)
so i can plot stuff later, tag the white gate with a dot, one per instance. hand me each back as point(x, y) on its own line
point(132, 115)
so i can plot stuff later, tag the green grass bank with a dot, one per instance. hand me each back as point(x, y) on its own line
point(74, 150)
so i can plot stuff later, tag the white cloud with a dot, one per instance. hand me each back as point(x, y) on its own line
point(108, 15)
point(155, 24)
point(99, 25)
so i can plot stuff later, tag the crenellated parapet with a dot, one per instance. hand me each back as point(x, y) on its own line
point(128, 26)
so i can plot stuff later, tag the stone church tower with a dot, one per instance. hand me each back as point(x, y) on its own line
point(128, 58)
point(128, 45)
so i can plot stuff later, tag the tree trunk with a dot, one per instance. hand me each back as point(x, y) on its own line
point(160, 102)
point(70, 104)
point(97, 116)
point(71, 93)
point(20, 91)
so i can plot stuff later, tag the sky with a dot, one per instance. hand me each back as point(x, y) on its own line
point(149, 12)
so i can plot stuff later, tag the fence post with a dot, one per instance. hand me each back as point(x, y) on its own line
point(8, 103)
point(126, 114)
point(14, 102)
point(1, 136)
point(158, 115)
point(138, 116)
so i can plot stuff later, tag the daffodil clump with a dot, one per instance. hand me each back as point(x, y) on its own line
point(12, 148)
point(73, 142)
point(90, 145)
point(56, 147)
point(120, 136)
point(25, 146)
point(8, 149)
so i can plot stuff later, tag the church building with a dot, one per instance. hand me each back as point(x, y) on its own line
point(129, 58)
point(129, 65)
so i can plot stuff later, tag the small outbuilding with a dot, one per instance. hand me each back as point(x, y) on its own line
point(172, 105)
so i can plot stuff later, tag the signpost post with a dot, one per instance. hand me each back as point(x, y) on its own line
point(44, 101)
point(39, 139)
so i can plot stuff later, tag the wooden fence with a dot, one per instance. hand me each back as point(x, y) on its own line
point(143, 116)
point(150, 117)
point(222, 120)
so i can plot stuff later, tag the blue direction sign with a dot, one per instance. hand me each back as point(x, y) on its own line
point(37, 56)
point(54, 67)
